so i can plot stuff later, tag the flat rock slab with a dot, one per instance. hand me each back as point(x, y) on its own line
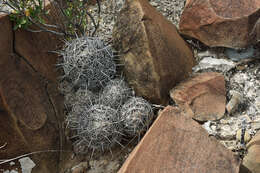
point(24, 94)
point(175, 143)
point(31, 108)
point(203, 96)
point(225, 23)
point(154, 55)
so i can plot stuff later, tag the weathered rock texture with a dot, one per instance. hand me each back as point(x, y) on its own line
point(256, 31)
point(154, 55)
point(203, 96)
point(6, 36)
point(31, 109)
point(175, 143)
point(224, 23)
point(252, 160)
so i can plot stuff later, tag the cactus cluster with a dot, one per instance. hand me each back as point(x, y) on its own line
point(88, 62)
point(102, 108)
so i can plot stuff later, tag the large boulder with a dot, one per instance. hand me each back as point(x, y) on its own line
point(31, 108)
point(6, 36)
point(224, 23)
point(154, 56)
point(203, 96)
point(36, 49)
point(31, 120)
point(175, 143)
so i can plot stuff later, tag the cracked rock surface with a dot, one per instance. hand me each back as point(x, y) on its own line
point(31, 109)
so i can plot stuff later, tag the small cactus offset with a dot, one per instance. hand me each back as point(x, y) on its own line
point(88, 62)
point(82, 96)
point(98, 128)
point(136, 116)
point(115, 93)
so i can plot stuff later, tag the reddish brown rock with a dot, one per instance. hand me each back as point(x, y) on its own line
point(154, 55)
point(6, 43)
point(31, 122)
point(175, 143)
point(31, 110)
point(256, 31)
point(35, 47)
point(224, 23)
point(252, 159)
point(203, 96)
point(6, 36)
point(1, 104)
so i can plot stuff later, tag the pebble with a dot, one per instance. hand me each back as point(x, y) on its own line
point(235, 100)
point(246, 136)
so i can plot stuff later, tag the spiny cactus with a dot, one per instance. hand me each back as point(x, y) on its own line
point(81, 97)
point(115, 93)
point(88, 62)
point(98, 128)
point(136, 116)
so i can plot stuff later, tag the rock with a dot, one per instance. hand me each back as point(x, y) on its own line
point(80, 168)
point(252, 160)
point(31, 108)
point(36, 47)
point(32, 122)
point(203, 96)
point(24, 94)
point(6, 42)
point(256, 31)
point(243, 137)
point(238, 55)
point(207, 63)
point(154, 55)
point(6, 36)
point(224, 23)
point(102, 165)
point(236, 99)
point(2, 108)
point(176, 143)
point(26, 164)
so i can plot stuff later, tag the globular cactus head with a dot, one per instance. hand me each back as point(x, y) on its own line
point(136, 116)
point(88, 62)
point(81, 97)
point(98, 128)
point(115, 93)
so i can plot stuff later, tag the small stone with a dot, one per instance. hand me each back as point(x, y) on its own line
point(227, 132)
point(203, 96)
point(235, 100)
point(12, 163)
point(238, 55)
point(80, 168)
point(257, 102)
point(26, 164)
point(246, 136)
point(222, 65)
point(252, 159)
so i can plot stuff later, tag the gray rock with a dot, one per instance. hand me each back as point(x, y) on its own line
point(221, 65)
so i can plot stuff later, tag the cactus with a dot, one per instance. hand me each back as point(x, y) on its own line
point(98, 128)
point(136, 116)
point(81, 97)
point(115, 93)
point(88, 62)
